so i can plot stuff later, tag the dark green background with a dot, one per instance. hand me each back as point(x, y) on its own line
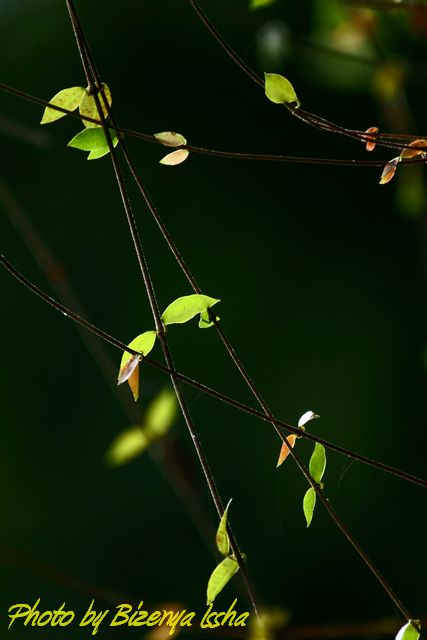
point(322, 287)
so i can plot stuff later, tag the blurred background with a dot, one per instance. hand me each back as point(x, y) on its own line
point(321, 274)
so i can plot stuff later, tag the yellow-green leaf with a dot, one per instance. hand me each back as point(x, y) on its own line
point(318, 462)
point(67, 99)
point(174, 158)
point(143, 344)
point(161, 413)
point(222, 539)
point(186, 307)
point(205, 322)
point(220, 576)
point(279, 90)
point(127, 445)
point(89, 109)
point(259, 4)
point(156, 422)
point(408, 632)
point(171, 139)
point(93, 140)
point(308, 504)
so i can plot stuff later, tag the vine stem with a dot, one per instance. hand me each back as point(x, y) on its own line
point(314, 120)
point(178, 478)
point(322, 124)
point(103, 335)
point(396, 142)
point(314, 485)
point(95, 86)
point(175, 375)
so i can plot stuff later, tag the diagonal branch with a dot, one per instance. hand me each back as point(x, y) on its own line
point(95, 86)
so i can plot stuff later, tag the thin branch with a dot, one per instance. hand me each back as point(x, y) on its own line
point(177, 477)
point(403, 475)
point(94, 81)
point(318, 122)
point(396, 142)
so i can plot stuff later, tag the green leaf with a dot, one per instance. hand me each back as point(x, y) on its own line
point(89, 109)
point(143, 344)
point(259, 4)
point(174, 158)
point(186, 307)
point(161, 413)
point(308, 505)
point(279, 90)
point(408, 632)
point(222, 539)
point(205, 322)
point(318, 462)
point(156, 422)
point(67, 99)
point(220, 576)
point(127, 445)
point(93, 140)
point(171, 139)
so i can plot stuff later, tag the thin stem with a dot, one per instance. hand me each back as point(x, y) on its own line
point(178, 477)
point(386, 140)
point(312, 119)
point(204, 388)
point(92, 76)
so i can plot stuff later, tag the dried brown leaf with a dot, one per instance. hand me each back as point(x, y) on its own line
point(284, 451)
point(372, 132)
point(389, 170)
point(413, 153)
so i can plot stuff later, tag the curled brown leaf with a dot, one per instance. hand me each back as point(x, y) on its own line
point(284, 451)
point(371, 142)
point(389, 170)
point(411, 152)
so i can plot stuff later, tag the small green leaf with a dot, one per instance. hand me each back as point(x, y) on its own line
point(93, 140)
point(161, 413)
point(174, 158)
point(318, 462)
point(408, 632)
point(89, 109)
point(143, 344)
point(222, 539)
point(171, 139)
point(186, 307)
point(308, 504)
point(259, 4)
point(205, 322)
point(156, 422)
point(126, 446)
point(67, 99)
point(279, 90)
point(220, 576)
